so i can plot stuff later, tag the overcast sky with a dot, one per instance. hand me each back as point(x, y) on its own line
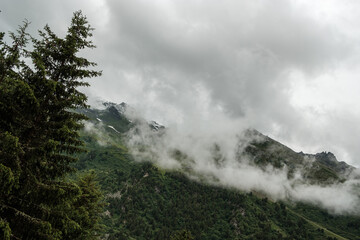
point(287, 68)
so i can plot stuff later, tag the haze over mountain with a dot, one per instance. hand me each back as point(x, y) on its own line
point(288, 68)
point(152, 175)
point(241, 158)
point(242, 120)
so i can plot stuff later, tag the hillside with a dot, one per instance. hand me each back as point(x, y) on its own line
point(320, 167)
point(147, 201)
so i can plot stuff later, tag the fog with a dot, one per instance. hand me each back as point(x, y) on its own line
point(210, 69)
point(289, 67)
point(213, 151)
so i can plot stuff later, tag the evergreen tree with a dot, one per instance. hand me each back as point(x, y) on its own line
point(39, 135)
point(182, 235)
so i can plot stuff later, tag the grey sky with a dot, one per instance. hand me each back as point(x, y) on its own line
point(288, 68)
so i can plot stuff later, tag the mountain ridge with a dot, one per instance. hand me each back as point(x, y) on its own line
point(144, 194)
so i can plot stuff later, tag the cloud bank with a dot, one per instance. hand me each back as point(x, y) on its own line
point(284, 67)
point(288, 68)
point(216, 155)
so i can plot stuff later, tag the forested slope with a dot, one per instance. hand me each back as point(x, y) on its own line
point(148, 202)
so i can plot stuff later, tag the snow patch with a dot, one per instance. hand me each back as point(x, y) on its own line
point(113, 128)
point(155, 125)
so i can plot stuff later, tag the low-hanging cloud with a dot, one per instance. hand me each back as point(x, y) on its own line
point(97, 131)
point(289, 68)
point(247, 57)
point(216, 155)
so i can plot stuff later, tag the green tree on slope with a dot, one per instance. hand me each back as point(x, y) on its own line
point(39, 136)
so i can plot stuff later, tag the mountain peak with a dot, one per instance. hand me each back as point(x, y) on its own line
point(121, 108)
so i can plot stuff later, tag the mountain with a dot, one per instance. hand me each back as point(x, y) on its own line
point(147, 201)
point(328, 159)
point(324, 167)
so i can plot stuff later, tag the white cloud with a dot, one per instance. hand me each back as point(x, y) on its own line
point(211, 68)
point(234, 169)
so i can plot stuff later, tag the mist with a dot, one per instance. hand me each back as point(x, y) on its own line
point(212, 152)
point(290, 67)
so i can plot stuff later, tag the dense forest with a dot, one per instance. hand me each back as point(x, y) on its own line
point(148, 202)
point(39, 80)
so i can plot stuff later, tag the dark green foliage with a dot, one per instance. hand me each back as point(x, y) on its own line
point(148, 203)
point(182, 235)
point(347, 226)
point(84, 210)
point(39, 135)
point(5, 231)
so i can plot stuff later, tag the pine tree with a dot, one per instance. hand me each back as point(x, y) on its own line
point(39, 135)
point(182, 235)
